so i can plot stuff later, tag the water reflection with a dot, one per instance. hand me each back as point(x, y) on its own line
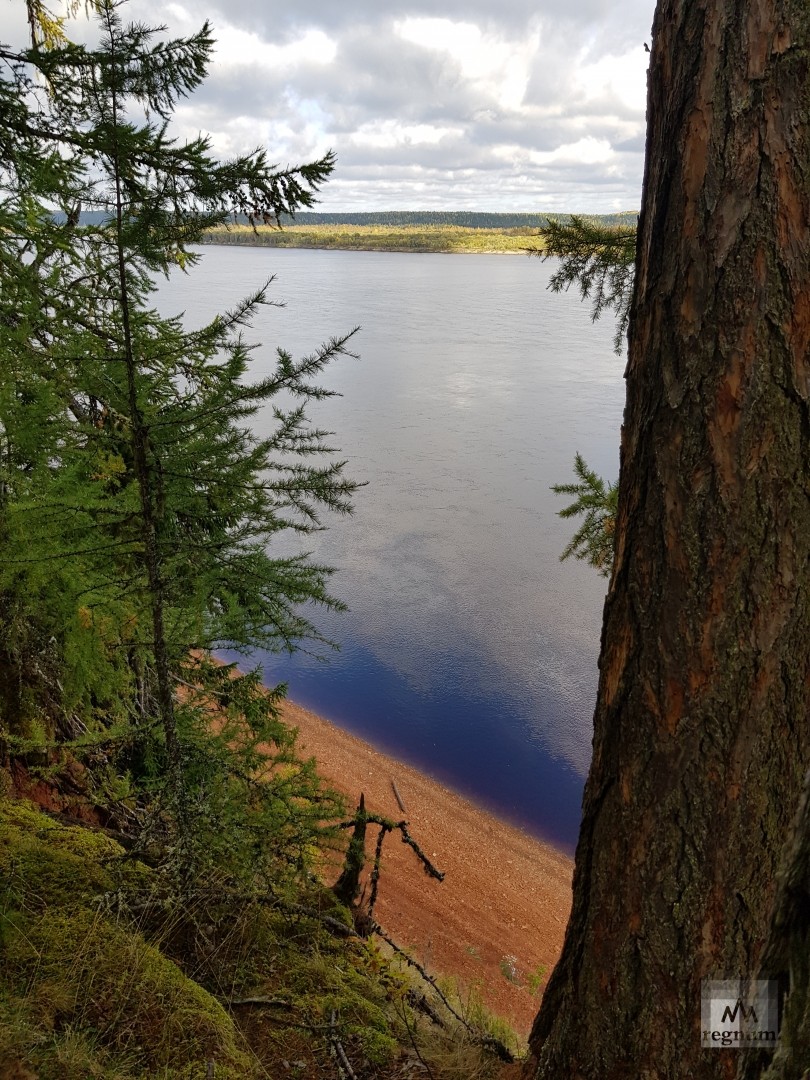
point(469, 650)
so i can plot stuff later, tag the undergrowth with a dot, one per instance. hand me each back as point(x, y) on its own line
point(108, 973)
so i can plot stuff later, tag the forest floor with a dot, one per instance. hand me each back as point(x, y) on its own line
point(496, 922)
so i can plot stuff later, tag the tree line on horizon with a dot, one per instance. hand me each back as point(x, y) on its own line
point(466, 219)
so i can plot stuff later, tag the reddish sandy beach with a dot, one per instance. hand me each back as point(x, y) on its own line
point(498, 918)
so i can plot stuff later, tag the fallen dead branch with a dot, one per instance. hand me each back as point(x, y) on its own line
point(398, 797)
point(274, 1003)
point(347, 887)
point(488, 1041)
point(339, 1054)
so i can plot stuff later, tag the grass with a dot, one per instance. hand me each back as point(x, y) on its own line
point(536, 978)
point(83, 993)
point(447, 239)
point(105, 976)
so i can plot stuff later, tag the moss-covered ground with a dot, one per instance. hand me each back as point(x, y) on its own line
point(107, 974)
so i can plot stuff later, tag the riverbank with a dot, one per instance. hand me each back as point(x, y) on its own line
point(446, 239)
point(497, 920)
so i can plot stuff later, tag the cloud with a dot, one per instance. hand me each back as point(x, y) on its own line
point(237, 49)
point(523, 105)
point(497, 67)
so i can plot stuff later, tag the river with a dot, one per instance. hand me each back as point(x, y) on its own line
point(470, 650)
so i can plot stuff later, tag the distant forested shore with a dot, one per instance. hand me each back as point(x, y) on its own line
point(465, 219)
point(448, 231)
point(461, 232)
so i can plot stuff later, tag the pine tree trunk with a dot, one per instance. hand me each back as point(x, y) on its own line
point(786, 959)
point(701, 732)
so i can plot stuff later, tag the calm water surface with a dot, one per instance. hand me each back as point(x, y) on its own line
point(470, 650)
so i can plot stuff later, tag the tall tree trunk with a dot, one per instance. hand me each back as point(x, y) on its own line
point(145, 479)
point(786, 960)
point(701, 733)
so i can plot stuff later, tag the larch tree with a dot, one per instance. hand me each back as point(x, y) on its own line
point(598, 258)
point(701, 733)
point(139, 512)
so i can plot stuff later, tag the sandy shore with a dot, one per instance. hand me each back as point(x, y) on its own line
point(498, 918)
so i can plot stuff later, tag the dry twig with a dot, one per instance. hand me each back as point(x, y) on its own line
point(339, 1054)
point(488, 1041)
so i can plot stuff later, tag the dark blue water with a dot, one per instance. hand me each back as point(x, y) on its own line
point(470, 650)
point(472, 740)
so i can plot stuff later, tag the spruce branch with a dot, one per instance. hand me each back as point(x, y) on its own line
point(599, 259)
point(597, 501)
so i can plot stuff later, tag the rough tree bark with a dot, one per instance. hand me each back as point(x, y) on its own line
point(786, 959)
point(701, 732)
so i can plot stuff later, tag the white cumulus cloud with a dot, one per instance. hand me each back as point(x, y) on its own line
point(522, 105)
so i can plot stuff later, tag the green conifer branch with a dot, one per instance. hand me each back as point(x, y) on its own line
point(593, 541)
point(599, 259)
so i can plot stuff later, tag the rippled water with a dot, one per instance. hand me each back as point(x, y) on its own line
point(469, 650)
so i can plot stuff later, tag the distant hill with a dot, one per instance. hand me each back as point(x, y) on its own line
point(466, 219)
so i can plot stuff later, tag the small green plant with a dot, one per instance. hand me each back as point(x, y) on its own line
point(536, 978)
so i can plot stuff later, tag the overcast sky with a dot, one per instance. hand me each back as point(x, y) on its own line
point(511, 105)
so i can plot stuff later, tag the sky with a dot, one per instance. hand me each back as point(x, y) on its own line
point(504, 105)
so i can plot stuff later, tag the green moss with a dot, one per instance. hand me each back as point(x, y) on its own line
point(82, 997)
point(28, 1053)
point(375, 1046)
point(44, 863)
point(80, 972)
point(88, 996)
